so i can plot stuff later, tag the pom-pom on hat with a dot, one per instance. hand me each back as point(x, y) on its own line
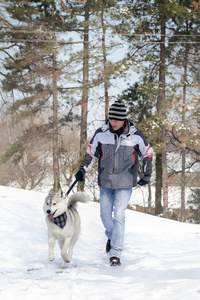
point(117, 111)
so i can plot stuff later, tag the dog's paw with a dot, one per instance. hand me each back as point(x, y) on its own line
point(51, 258)
point(65, 262)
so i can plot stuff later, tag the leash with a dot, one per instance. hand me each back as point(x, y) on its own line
point(71, 187)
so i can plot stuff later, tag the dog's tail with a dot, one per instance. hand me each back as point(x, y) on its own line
point(77, 197)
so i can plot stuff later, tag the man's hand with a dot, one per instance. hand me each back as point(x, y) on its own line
point(144, 180)
point(80, 174)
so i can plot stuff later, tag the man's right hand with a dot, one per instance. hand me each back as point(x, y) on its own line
point(80, 174)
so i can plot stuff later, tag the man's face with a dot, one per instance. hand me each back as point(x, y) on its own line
point(116, 124)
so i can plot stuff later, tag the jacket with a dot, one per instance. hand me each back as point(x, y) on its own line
point(118, 156)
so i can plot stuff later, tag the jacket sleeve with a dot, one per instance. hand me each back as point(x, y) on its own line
point(92, 153)
point(145, 153)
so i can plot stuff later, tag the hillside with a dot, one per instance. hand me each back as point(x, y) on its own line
point(161, 258)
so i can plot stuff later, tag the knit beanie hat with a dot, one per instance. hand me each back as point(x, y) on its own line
point(117, 111)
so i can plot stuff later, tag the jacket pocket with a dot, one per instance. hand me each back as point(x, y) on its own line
point(101, 169)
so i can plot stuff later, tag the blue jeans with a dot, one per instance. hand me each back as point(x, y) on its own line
point(113, 204)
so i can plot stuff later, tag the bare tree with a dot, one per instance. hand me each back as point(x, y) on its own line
point(25, 166)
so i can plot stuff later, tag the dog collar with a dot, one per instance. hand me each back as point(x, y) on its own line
point(60, 220)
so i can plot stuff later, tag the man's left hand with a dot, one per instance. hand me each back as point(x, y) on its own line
point(144, 180)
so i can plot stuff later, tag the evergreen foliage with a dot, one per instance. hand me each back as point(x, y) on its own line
point(50, 44)
point(194, 205)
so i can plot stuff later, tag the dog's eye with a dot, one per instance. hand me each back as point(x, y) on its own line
point(54, 203)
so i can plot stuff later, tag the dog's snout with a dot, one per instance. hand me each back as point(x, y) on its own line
point(48, 211)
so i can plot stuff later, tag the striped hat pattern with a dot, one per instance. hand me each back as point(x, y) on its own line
point(117, 111)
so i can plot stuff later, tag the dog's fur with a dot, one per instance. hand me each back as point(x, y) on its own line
point(67, 236)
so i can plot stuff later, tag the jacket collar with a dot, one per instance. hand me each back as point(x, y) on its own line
point(129, 128)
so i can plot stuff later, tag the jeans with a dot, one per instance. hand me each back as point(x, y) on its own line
point(113, 204)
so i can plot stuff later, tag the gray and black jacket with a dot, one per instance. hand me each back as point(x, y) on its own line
point(118, 156)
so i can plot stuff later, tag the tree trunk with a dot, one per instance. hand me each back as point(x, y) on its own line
point(158, 206)
point(149, 199)
point(85, 92)
point(183, 179)
point(104, 63)
point(84, 104)
point(164, 177)
point(162, 112)
point(55, 129)
point(55, 120)
point(183, 187)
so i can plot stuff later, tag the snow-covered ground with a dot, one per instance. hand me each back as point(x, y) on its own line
point(160, 261)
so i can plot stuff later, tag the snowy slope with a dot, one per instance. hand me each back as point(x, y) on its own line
point(161, 258)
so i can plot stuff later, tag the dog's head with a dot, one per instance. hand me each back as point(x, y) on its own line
point(54, 205)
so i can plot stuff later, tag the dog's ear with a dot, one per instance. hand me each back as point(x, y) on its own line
point(60, 192)
point(57, 197)
point(51, 193)
point(49, 196)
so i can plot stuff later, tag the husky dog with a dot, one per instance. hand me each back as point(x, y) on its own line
point(63, 222)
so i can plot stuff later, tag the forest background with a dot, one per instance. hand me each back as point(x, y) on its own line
point(64, 62)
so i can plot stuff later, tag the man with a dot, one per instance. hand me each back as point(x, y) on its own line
point(117, 145)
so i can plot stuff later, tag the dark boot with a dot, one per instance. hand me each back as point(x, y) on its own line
point(115, 261)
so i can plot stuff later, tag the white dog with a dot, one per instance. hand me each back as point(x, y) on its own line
point(63, 222)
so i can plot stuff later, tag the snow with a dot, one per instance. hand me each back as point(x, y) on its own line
point(161, 258)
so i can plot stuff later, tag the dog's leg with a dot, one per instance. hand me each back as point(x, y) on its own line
point(61, 243)
point(64, 249)
point(51, 248)
point(69, 255)
point(71, 247)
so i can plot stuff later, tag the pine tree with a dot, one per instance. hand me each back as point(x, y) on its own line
point(183, 53)
point(31, 73)
point(153, 21)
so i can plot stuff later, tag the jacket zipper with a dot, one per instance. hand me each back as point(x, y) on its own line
point(116, 146)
